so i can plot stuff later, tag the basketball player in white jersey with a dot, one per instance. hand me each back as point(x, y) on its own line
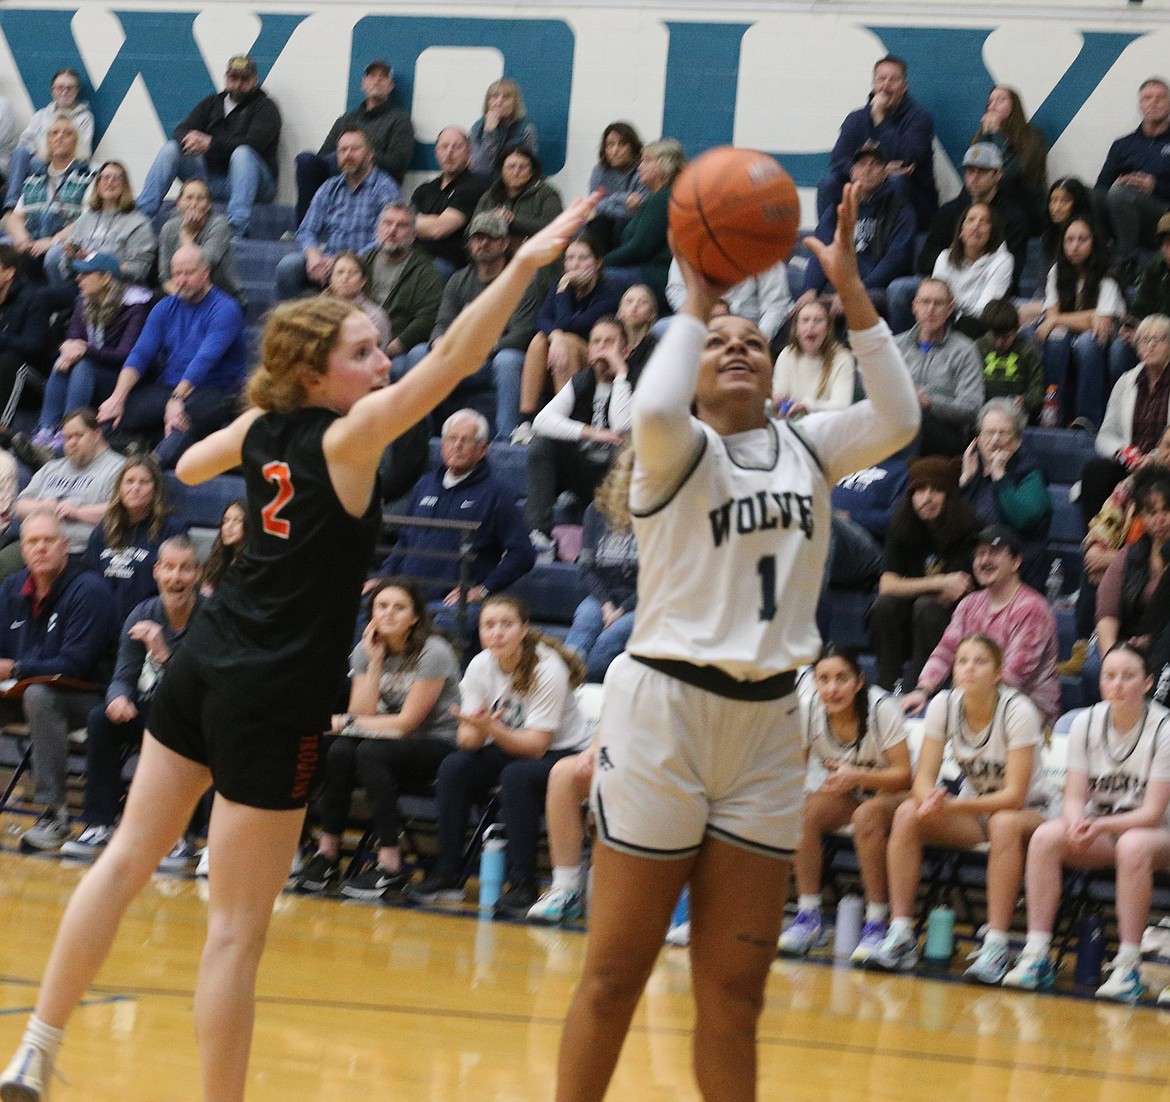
point(1116, 795)
point(700, 762)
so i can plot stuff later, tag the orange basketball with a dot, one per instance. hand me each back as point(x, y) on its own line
point(733, 214)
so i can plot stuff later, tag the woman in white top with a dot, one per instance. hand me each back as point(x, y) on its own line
point(814, 371)
point(1116, 792)
point(995, 734)
point(518, 717)
point(1082, 305)
point(977, 267)
point(699, 752)
point(858, 773)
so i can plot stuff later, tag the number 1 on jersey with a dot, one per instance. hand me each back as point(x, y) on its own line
point(273, 523)
point(766, 568)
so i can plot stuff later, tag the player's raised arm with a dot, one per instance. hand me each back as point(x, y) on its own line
point(838, 259)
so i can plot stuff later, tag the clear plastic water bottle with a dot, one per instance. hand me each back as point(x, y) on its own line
point(491, 868)
point(1054, 586)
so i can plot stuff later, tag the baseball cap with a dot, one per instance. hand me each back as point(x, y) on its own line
point(489, 224)
point(98, 262)
point(1163, 227)
point(870, 149)
point(378, 66)
point(982, 155)
point(1000, 535)
point(241, 66)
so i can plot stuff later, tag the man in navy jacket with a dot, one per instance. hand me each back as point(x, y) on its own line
point(903, 129)
point(463, 488)
point(56, 621)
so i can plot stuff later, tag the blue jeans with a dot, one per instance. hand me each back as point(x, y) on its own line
point(597, 644)
point(507, 367)
point(1082, 356)
point(248, 181)
point(21, 165)
point(87, 383)
point(291, 277)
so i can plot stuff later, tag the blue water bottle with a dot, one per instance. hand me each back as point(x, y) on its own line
point(491, 868)
point(940, 936)
point(1090, 950)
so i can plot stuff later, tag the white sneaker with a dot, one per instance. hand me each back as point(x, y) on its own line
point(49, 832)
point(180, 858)
point(204, 867)
point(26, 1077)
point(544, 546)
point(555, 906)
point(89, 843)
point(522, 433)
point(1124, 984)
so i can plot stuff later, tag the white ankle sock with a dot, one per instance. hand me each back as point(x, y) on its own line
point(902, 927)
point(1128, 955)
point(45, 1037)
point(877, 912)
point(808, 903)
point(997, 938)
point(567, 877)
point(1038, 943)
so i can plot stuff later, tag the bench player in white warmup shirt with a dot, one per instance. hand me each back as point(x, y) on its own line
point(700, 762)
point(1116, 794)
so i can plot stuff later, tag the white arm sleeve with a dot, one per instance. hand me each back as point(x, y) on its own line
point(867, 432)
point(554, 421)
point(666, 437)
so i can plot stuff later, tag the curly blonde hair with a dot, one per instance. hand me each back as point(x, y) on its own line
point(298, 339)
point(613, 495)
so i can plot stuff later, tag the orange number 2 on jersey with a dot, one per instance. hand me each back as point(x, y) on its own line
point(274, 524)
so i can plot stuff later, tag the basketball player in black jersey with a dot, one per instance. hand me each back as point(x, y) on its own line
point(244, 707)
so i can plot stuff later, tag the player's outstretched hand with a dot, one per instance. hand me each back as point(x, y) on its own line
point(702, 294)
point(547, 244)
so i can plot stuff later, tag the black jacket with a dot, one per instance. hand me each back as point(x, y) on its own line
point(254, 122)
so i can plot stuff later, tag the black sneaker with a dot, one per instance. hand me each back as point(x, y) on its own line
point(318, 873)
point(376, 883)
point(438, 887)
point(517, 901)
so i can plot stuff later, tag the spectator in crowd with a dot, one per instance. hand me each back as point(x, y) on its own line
point(1005, 487)
point(52, 199)
point(982, 180)
point(946, 370)
point(638, 311)
point(1135, 177)
point(24, 328)
point(869, 496)
point(1082, 306)
point(904, 131)
point(616, 175)
point(642, 254)
point(151, 632)
point(1068, 198)
point(858, 771)
point(503, 123)
point(885, 233)
point(200, 332)
point(1151, 296)
point(400, 725)
point(446, 203)
point(76, 487)
point(517, 718)
point(28, 157)
point(347, 282)
point(494, 390)
point(9, 486)
point(1022, 147)
point(403, 281)
point(813, 371)
point(994, 733)
point(1133, 597)
point(520, 194)
point(229, 542)
point(9, 136)
point(230, 140)
point(925, 573)
point(195, 223)
point(343, 215)
point(1010, 612)
point(576, 436)
point(608, 562)
point(977, 267)
point(1116, 793)
point(124, 547)
point(56, 618)
point(763, 299)
point(1011, 363)
point(387, 126)
point(463, 488)
point(107, 320)
point(1135, 418)
point(558, 350)
point(110, 223)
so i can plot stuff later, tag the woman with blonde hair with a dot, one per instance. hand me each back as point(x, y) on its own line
point(503, 123)
point(814, 371)
point(243, 705)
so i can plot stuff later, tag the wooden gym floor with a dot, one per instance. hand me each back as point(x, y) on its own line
point(362, 1002)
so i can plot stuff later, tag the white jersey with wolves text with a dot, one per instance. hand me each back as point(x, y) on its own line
point(884, 728)
point(1119, 764)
